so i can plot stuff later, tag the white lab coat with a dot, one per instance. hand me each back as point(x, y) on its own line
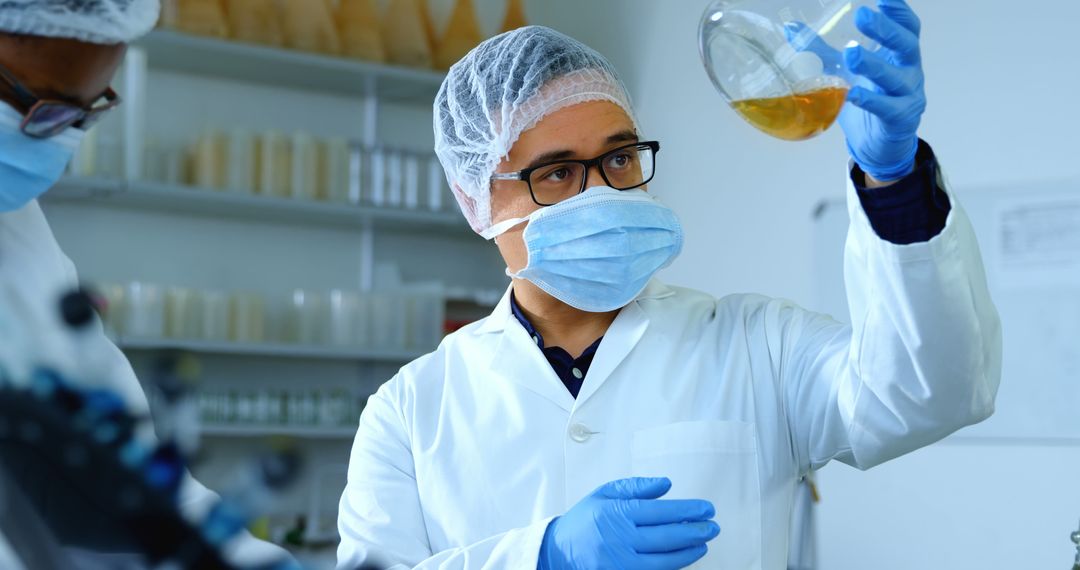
point(464, 457)
point(34, 272)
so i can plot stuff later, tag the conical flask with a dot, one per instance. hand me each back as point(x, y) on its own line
point(515, 16)
point(462, 34)
point(255, 21)
point(309, 26)
point(201, 17)
point(358, 28)
point(404, 36)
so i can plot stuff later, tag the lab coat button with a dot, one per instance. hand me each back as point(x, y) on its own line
point(577, 373)
point(580, 433)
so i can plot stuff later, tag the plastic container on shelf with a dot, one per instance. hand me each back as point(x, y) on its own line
point(304, 182)
point(274, 165)
point(377, 162)
point(182, 315)
point(425, 315)
point(214, 306)
point(144, 316)
point(239, 168)
point(395, 183)
point(334, 170)
point(255, 21)
point(411, 181)
point(515, 16)
point(388, 315)
point(309, 26)
point(346, 318)
point(359, 166)
point(404, 36)
point(358, 27)
point(209, 160)
point(247, 316)
point(307, 322)
point(84, 163)
point(462, 35)
point(436, 182)
point(200, 17)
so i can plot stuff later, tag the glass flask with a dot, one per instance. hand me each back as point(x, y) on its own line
point(779, 63)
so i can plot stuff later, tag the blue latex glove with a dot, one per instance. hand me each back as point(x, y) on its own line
point(882, 122)
point(622, 525)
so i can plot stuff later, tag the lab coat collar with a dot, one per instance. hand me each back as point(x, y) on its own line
point(503, 316)
point(530, 369)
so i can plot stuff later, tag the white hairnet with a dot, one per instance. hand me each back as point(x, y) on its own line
point(503, 88)
point(91, 21)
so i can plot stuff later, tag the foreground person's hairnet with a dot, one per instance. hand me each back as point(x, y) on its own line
point(92, 21)
point(503, 88)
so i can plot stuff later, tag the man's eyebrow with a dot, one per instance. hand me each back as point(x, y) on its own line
point(627, 136)
point(552, 156)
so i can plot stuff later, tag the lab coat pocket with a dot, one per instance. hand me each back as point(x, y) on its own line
point(716, 461)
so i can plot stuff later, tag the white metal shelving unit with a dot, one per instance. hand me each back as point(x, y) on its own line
point(269, 350)
point(188, 199)
point(372, 84)
point(257, 431)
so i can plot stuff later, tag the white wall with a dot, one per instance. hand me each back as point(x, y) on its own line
point(1001, 79)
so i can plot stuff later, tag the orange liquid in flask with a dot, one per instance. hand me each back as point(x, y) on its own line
point(794, 117)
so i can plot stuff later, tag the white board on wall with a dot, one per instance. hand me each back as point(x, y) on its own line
point(1030, 238)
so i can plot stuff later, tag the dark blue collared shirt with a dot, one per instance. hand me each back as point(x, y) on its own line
point(570, 370)
point(912, 210)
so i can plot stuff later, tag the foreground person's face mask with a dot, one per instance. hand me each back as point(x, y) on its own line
point(598, 250)
point(30, 166)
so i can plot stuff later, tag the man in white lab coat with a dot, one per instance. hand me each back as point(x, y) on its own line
point(599, 418)
point(56, 62)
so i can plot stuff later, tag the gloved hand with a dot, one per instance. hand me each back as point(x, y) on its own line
point(882, 121)
point(621, 525)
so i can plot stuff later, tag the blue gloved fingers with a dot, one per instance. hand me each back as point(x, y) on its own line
point(647, 513)
point(802, 38)
point(899, 12)
point(890, 109)
point(890, 34)
point(891, 79)
point(672, 537)
point(673, 560)
point(634, 488)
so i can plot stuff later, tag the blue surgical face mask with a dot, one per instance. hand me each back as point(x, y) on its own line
point(598, 250)
point(29, 166)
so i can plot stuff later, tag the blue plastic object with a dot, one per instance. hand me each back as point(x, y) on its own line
point(623, 525)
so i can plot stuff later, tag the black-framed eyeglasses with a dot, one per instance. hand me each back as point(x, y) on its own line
point(45, 118)
point(625, 168)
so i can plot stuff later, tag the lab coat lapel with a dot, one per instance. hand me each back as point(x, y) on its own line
point(518, 359)
point(621, 338)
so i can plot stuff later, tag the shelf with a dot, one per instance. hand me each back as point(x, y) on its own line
point(202, 201)
point(288, 68)
point(271, 350)
point(302, 432)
